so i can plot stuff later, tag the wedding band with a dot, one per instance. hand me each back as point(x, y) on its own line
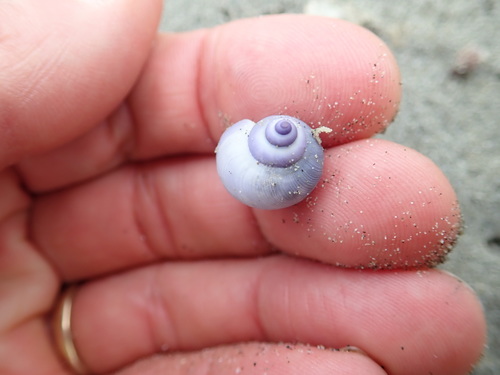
point(62, 332)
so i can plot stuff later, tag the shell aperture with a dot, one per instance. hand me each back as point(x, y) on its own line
point(272, 164)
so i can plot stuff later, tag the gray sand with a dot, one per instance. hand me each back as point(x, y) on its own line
point(449, 54)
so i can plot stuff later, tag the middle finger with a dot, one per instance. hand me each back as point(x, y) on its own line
point(379, 205)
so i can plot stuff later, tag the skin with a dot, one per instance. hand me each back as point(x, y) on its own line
point(108, 179)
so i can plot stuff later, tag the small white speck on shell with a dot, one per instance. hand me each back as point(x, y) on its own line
point(322, 129)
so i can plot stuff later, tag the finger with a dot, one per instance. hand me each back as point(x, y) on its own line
point(136, 216)
point(380, 205)
point(28, 286)
point(27, 282)
point(409, 322)
point(27, 348)
point(255, 358)
point(64, 66)
point(342, 76)
point(196, 84)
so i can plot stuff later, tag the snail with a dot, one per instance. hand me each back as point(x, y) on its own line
point(272, 164)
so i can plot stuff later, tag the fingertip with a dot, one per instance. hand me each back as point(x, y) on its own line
point(472, 323)
point(258, 358)
point(410, 322)
point(378, 205)
point(454, 310)
point(325, 71)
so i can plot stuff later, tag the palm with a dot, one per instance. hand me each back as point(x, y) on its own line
point(114, 206)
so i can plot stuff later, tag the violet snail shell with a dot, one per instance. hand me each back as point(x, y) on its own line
point(272, 164)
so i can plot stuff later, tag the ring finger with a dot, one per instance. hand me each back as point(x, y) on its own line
point(186, 306)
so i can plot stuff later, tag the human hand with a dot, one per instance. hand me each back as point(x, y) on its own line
point(168, 261)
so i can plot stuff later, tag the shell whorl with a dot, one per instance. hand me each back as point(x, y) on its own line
point(272, 164)
point(285, 143)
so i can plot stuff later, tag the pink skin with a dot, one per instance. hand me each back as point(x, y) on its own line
point(73, 207)
point(279, 299)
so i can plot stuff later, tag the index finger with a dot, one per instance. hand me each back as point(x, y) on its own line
point(327, 72)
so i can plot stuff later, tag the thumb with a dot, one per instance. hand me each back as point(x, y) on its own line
point(64, 65)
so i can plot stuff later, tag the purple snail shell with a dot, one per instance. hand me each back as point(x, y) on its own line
point(272, 164)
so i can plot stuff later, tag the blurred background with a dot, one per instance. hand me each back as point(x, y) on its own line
point(449, 55)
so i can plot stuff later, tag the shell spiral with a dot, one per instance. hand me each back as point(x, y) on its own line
point(274, 163)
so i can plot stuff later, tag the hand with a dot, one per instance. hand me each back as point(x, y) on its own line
point(130, 207)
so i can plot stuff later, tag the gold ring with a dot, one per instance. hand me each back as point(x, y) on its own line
point(62, 332)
